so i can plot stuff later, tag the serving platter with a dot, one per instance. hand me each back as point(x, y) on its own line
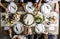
point(28, 19)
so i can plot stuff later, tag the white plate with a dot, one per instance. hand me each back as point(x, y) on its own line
point(29, 8)
point(39, 28)
point(12, 7)
point(28, 19)
point(46, 9)
point(18, 28)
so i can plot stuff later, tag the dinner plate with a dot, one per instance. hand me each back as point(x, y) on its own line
point(28, 19)
point(29, 7)
point(46, 9)
point(39, 28)
point(12, 7)
point(18, 28)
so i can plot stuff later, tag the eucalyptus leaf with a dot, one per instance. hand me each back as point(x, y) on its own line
point(39, 19)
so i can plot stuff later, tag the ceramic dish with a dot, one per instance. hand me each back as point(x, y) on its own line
point(12, 7)
point(29, 7)
point(18, 28)
point(39, 28)
point(28, 19)
point(46, 9)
